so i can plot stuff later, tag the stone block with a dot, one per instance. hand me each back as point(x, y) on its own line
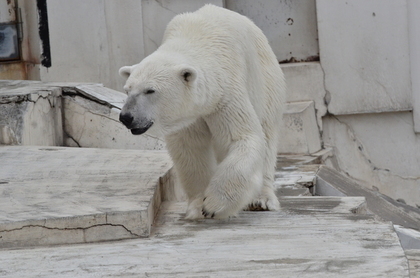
point(305, 82)
point(300, 132)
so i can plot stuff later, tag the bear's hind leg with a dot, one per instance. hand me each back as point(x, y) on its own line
point(194, 163)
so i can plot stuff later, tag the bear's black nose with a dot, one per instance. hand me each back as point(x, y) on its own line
point(126, 119)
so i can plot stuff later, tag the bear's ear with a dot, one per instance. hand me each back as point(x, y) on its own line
point(187, 73)
point(125, 71)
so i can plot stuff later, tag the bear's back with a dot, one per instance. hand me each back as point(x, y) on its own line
point(224, 42)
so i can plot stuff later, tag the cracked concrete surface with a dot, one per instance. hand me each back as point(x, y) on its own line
point(35, 235)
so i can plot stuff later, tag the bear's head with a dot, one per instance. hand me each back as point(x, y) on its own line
point(163, 95)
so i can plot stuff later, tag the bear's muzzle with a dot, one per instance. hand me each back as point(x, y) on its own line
point(136, 129)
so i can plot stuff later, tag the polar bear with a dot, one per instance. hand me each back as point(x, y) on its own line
point(214, 89)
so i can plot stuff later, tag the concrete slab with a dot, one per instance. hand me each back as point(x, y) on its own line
point(288, 243)
point(52, 195)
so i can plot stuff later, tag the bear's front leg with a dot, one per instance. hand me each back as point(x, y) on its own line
point(194, 163)
point(237, 180)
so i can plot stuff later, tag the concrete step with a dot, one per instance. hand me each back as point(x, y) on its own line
point(306, 242)
point(53, 195)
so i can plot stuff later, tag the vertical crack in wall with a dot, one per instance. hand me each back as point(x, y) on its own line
point(327, 96)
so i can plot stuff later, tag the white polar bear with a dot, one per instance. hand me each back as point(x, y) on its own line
point(215, 90)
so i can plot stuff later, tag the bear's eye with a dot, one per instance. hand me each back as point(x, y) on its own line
point(149, 91)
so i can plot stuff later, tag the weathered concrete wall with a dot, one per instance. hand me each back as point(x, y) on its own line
point(379, 149)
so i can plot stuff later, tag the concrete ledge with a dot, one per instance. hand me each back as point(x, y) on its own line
point(329, 182)
point(52, 195)
point(317, 204)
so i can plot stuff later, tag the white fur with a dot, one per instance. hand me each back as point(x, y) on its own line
point(220, 120)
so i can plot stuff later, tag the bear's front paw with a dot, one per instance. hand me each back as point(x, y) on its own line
point(207, 213)
point(266, 201)
point(215, 208)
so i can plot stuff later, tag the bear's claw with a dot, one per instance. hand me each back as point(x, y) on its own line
point(256, 206)
point(205, 213)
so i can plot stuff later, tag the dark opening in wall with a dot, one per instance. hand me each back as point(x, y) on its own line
point(44, 33)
